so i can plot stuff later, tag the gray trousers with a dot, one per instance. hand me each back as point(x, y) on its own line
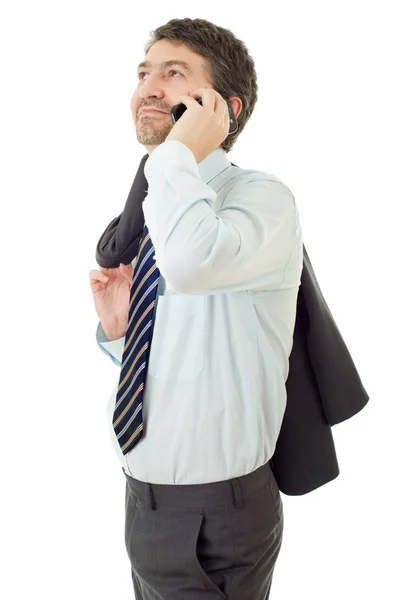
point(206, 541)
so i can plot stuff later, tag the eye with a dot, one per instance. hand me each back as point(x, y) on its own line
point(144, 72)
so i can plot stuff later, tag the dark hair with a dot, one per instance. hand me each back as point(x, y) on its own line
point(228, 65)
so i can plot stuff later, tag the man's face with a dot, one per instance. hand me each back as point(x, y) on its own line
point(161, 87)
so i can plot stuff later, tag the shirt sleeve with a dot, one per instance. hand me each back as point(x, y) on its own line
point(114, 349)
point(199, 250)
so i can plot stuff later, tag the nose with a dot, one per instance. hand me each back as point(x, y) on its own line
point(151, 93)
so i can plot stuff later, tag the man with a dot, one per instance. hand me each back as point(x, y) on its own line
point(203, 510)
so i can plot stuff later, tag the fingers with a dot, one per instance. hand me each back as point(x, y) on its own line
point(95, 275)
point(125, 270)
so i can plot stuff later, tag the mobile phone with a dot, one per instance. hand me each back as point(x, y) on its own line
point(178, 109)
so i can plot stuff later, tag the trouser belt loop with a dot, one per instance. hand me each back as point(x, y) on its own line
point(237, 493)
point(149, 497)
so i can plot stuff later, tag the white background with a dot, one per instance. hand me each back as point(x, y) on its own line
point(327, 124)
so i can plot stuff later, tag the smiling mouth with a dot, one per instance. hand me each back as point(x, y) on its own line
point(151, 111)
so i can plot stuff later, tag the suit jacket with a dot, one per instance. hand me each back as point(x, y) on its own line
point(323, 386)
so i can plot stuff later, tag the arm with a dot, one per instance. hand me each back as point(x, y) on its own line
point(199, 250)
point(114, 349)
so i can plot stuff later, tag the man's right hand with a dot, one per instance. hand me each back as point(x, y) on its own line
point(111, 292)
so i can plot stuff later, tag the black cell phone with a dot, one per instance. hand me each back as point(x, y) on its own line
point(178, 109)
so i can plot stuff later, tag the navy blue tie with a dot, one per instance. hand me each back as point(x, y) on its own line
point(127, 418)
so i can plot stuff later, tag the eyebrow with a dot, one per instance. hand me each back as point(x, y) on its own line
point(168, 63)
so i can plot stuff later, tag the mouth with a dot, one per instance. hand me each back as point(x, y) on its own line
point(152, 111)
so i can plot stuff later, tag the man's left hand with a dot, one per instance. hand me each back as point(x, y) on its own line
point(202, 128)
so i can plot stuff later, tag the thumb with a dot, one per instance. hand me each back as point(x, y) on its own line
point(126, 267)
point(126, 271)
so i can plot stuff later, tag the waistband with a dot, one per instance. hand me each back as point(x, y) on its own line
point(231, 492)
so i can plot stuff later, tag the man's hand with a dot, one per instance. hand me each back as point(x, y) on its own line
point(111, 290)
point(202, 128)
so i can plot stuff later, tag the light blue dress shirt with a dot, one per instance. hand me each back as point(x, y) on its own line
point(228, 245)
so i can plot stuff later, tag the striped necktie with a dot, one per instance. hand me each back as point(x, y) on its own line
point(127, 418)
